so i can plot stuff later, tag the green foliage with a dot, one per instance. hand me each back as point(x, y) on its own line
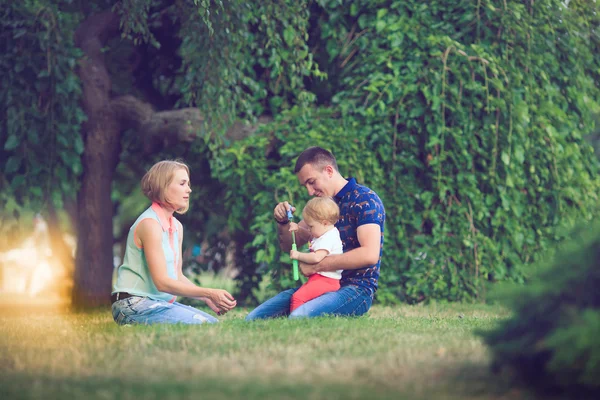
point(474, 113)
point(254, 58)
point(135, 20)
point(256, 183)
point(467, 118)
point(39, 110)
point(227, 58)
point(552, 339)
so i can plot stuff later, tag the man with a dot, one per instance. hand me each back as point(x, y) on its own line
point(362, 217)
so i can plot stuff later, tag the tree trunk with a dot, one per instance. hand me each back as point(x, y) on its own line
point(93, 258)
point(107, 118)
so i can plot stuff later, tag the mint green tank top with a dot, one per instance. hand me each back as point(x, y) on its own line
point(133, 276)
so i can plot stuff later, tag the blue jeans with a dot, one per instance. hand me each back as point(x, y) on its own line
point(143, 310)
point(350, 300)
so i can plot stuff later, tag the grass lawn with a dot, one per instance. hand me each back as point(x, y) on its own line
point(412, 352)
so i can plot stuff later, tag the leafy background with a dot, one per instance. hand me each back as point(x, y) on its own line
point(470, 119)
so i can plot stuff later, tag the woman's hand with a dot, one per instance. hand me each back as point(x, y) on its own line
point(222, 300)
point(211, 305)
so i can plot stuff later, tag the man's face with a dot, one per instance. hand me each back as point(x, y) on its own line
point(317, 181)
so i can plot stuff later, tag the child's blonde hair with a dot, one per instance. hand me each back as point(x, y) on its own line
point(322, 209)
point(157, 180)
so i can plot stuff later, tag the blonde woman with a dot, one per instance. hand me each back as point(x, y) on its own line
point(150, 278)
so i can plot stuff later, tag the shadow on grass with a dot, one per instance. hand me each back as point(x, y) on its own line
point(38, 387)
point(467, 382)
point(474, 381)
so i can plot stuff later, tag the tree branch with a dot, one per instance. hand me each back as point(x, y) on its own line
point(164, 127)
point(183, 125)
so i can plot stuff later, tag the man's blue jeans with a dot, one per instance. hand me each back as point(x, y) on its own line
point(350, 300)
point(142, 310)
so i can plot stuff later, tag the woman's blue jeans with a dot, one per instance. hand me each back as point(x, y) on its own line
point(142, 310)
point(350, 300)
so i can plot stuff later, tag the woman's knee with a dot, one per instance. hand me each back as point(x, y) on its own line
point(199, 318)
point(192, 315)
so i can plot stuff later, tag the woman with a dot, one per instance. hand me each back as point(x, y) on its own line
point(151, 275)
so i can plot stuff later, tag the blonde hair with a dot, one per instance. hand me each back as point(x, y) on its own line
point(158, 178)
point(322, 209)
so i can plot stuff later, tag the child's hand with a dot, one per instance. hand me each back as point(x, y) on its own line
point(294, 254)
point(293, 227)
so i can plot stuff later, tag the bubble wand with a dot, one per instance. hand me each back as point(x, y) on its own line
point(294, 262)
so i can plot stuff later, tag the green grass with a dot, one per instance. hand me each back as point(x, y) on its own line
point(412, 352)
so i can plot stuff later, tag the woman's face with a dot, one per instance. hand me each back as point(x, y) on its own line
point(178, 191)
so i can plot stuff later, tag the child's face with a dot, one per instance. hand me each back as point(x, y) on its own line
point(317, 228)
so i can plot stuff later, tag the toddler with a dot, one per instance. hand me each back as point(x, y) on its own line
point(320, 215)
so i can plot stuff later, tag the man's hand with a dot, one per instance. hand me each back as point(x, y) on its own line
point(283, 230)
point(280, 211)
point(307, 269)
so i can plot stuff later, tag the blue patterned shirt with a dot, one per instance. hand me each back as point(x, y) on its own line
point(359, 205)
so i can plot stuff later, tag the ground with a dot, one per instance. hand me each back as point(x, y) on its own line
point(413, 352)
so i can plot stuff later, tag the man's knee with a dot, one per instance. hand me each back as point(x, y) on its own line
point(274, 307)
point(300, 312)
point(297, 301)
point(254, 314)
point(309, 308)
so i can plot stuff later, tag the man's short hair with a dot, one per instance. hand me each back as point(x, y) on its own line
point(318, 157)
